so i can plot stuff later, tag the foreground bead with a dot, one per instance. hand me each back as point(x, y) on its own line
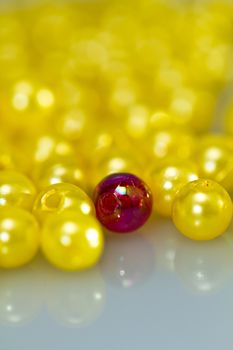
point(59, 197)
point(123, 202)
point(202, 210)
point(19, 237)
point(72, 241)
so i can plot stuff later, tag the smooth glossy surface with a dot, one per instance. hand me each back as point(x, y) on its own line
point(72, 241)
point(170, 143)
point(202, 210)
point(123, 202)
point(214, 159)
point(19, 237)
point(166, 182)
point(60, 173)
point(16, 190)
point(59, 197)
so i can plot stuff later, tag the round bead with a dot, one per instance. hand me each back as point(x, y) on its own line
point(202, 210)
point(123, 202)
point(214, 159)
point(166, 182)
point(59, 197)
point(72, 241)
point(60, 173)
point(16, 190)
point(173, 142)
point(114, 162)
point(19, 237)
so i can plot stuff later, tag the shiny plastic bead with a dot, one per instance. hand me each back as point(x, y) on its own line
point(72, 241)
point(60, 173)
point(19, 237)
point(114, 162)
point(166, 182)
point(16, 190)
point(214, 158)
point(59, 197)
point(202, 210)
point(123, 202)
point(170, 143)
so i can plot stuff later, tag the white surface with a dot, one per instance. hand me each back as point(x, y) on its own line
point(152, 290)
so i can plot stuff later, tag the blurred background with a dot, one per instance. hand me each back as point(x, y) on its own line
point(84, 85)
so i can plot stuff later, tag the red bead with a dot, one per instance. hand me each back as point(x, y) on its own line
point(123, 202)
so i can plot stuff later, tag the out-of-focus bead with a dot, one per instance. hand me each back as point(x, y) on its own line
point(19, 237)
point(187, 104)
point(72, 241)
point(166, 181)
point(57, 198)
point(60, 173)
point(214, 158)
point(170, 143)
point(16, 190)
point(114, 162)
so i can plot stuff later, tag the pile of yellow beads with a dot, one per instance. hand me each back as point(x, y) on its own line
point(88, 90)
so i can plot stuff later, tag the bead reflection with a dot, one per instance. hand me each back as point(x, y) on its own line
point(21, 294)
point(75, 299)
point(165, 240)
point(205, 267)
point(128, 260)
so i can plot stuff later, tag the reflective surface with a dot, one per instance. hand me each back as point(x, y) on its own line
point(155, 287)
point(123, 202)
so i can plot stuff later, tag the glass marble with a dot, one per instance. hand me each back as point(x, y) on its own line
point(72, 241)
point(16, 190)
point(202, 210)
point(19, 237)
point(59, 197)
point(123, 202)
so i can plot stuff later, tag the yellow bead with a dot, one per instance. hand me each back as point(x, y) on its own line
point(214, 158)
point(187, 104)
point(114, 162)
point(72, 241)
point(228, 119)
point(170, 143)
point(60, 173)
point(202, 210)
point(59, 197)
point(16, 190)
point(45, 151)
point(19, 237)
point(166, 181)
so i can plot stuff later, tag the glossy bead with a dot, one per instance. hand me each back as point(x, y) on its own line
point(19, 237)
point(123, 202)
point(16, 190)
point(214, 158)
point(59, 197)
point(166, 182)
point(72, 241)
point(170, 143)
point(202, 210)
point(114, 162)
point(60, 173)
point(45, 150)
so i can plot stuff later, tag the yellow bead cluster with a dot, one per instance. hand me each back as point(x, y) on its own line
point(87, 90)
